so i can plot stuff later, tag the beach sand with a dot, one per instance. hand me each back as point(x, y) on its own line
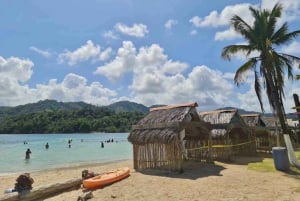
point(207, 182)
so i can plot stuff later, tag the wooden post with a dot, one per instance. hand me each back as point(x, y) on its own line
point(297, 104)
point(209, 158)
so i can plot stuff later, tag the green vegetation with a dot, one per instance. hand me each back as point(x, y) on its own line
point(267, 165)
point(68, 119)
point(263, 38)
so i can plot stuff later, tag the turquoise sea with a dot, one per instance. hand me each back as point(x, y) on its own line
point(85, 149)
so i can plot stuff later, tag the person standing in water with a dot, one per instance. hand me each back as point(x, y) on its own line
point(27, 154)
point(47, 146)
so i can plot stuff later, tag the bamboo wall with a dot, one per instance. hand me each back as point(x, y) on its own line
point(265, 143)
point(158, 156)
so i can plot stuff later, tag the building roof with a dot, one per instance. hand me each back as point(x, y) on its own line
point(163, 124)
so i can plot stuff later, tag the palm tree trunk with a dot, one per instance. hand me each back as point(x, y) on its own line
point(274, 97)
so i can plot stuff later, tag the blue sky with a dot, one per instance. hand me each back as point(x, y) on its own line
point(149, 52)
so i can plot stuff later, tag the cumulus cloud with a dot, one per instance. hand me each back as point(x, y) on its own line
point(170, 23)
point(44, 53)
point(110, 35)
point(146, 60)
point(227, 35)
point(19, 70)
point(160, 80)
point(89, 51)
point(14, 90)
point(215, 19)
point(291, 12)
point(75, 88)
point(136, 30)
point(124, 62)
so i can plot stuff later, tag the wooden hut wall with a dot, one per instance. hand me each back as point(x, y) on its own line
point(158, 138)
point(158, 156)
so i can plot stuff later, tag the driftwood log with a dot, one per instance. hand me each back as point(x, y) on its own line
point(43, 192)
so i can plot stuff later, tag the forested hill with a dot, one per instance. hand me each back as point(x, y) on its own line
point(50, 116)
point(52, 105)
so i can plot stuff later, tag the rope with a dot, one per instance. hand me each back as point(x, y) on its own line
point(221, 146)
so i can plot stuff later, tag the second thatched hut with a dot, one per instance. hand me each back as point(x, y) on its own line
point(230, 135)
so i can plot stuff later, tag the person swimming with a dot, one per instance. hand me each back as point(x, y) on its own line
point(27, 154)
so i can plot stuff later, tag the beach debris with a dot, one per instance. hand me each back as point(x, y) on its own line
point(113, 196)
point(85, 196)
point(86, 174)
point(43, 192)
point(24, 183)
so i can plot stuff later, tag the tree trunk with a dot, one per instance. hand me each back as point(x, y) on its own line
point(274, 96)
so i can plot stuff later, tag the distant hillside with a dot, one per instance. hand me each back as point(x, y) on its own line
point(53, 105)
point(127, 106)
point(41, 106)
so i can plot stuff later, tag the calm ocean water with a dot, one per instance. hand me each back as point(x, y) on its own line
point(85, 148)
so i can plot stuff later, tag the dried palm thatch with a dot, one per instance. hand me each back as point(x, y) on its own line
point(228, 128)
point(226, 124)
point(253, 120)
point(158, 137)
point(264, 139)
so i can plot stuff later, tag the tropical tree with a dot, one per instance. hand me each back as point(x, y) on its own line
point(269, 66)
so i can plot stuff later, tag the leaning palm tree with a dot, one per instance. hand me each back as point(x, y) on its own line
point(269, 66)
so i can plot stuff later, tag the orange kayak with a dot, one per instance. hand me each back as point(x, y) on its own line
point(106, 178)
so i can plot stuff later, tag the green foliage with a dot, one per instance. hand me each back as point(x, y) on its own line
point(89, 119)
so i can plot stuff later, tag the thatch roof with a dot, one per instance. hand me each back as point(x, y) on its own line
point(271, 122)
point(220, 116)
point(222, 121)
point(163, 124)
point(253, 120)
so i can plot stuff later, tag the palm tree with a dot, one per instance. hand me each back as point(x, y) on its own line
point(269, 66)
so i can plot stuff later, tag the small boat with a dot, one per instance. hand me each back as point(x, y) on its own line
point(106, 178)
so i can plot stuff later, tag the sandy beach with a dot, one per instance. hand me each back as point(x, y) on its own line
point(207, 182)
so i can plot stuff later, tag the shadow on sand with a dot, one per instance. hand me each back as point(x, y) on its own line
point(191, 170)
point(194, 170)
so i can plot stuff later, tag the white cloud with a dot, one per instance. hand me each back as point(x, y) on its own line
point(292, 48)
point(44, 53)
point(215, 19)
point(146, 60)
point(159, 80)
point(194, 32)
point(111, 35)
point(196, 21)
point(75, 88)
point(89, 51)
point(105, 54)
point(227, 35)
point(170, 23)
point(19, 70)
point(15, 73)
point(123, 62)
point(137, 30)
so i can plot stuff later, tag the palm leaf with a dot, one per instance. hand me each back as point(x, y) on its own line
point(250, 64)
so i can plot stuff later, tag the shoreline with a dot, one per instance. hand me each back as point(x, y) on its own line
point(199, 182)
point(65, 167)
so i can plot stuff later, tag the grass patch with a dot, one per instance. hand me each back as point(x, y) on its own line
point(267, 165)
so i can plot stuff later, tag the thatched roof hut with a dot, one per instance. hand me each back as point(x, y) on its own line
point(256, 123)
point(230, 135)
point(253, 120)
point(161, 137)
point(264, 139)
point(227, 124)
